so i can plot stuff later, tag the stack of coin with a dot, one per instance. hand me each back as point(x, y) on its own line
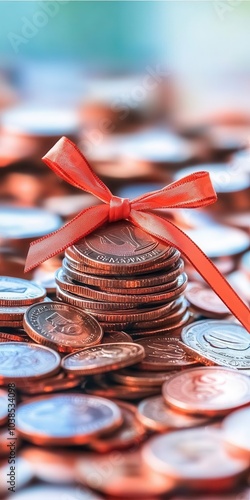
point(127, 279)
point(15, 297)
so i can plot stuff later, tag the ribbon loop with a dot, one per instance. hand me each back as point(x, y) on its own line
point(119, 208)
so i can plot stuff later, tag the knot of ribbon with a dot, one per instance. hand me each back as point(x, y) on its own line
point(193, 191)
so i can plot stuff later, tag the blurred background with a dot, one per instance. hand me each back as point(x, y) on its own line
point(147, 90)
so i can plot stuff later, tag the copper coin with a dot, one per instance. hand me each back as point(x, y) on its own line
point(103, 358)
point(173, 317)
point(57, 492)
point(127, 476)
point(103, 386)
point(78, 418)
point(16, 291)
point(170, 285)
point(51, 465)
point(163, 353)
point(206, 301)
point(121, 246)
point(149, 297)
point(4, 406)
point(63, 327)
point(221, 342)
point(155, 414)
point(21, 361)
point(196, 458)
point(92, 305)
point(60, 382)
point(12, 323)
point(123, 317)
point(211, 391)
point(4, 441)
point(136, 378)
point(130, 433)
point(116, 337)
point(9, 337)
point(144, 280)
point(235, 429)
point(173, 328)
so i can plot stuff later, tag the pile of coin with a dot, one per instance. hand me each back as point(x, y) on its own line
point(127, 279)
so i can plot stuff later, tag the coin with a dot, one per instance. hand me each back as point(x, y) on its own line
point(12, 313)
point(4, 441)
point(196, 458)
point(24, 476)
point(127, 476)
point(3, 406)
point(163, 353)
point(222, 342)
point(149, 298)
point(12, 323)
point(210, 391)
point(63, 327)
point(103, 358)
point(26, 222)
point(42, 491)
point(60, 382)
point(116, 337)
point(136, 378)
point(121, 246)
point(135, 281)
point(235, 430)
point(51, 465)
point(16, 291)
point(21, 361)
point(103, 386)
point(206, 301)
point(155, 414)
point(79, 417)
point(9, 337)
point(130, 433)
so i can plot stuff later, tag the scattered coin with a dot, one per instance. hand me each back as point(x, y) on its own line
point(102, 386)
point(21, 361)
point(210, 391)
point(127, 476)
point(58, 383)
point(222, 342)
point(103, 358)
point(16, 292)
point(129, 434)
point(196, 458)
point(136, 378)
point(117, 337)
point(22, 478)
point(155, 414)
point(81, 417)
point(41, 491)
point(205, 301)
point(235, 429)
point(63, 327)
point(163, 353)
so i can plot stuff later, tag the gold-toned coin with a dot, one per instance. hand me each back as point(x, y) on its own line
point(196, 458)
point(23, 361)
point(129, 434)
point(79, 417)
point(221, 342)
point(103, 358)
point(62, 327)
point(212, 391)
point(155, 414)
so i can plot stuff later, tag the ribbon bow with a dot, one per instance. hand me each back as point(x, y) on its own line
point(193, 191)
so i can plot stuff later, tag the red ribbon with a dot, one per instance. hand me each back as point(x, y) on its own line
point(193, 191)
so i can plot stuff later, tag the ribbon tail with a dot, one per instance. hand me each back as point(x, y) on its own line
point(84, 223)
point(172, 235)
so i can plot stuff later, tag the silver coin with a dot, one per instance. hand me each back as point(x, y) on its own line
point(16, 291)
point(20, 361)
point(222, 342)
point(66, 418)
point(42, 491)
